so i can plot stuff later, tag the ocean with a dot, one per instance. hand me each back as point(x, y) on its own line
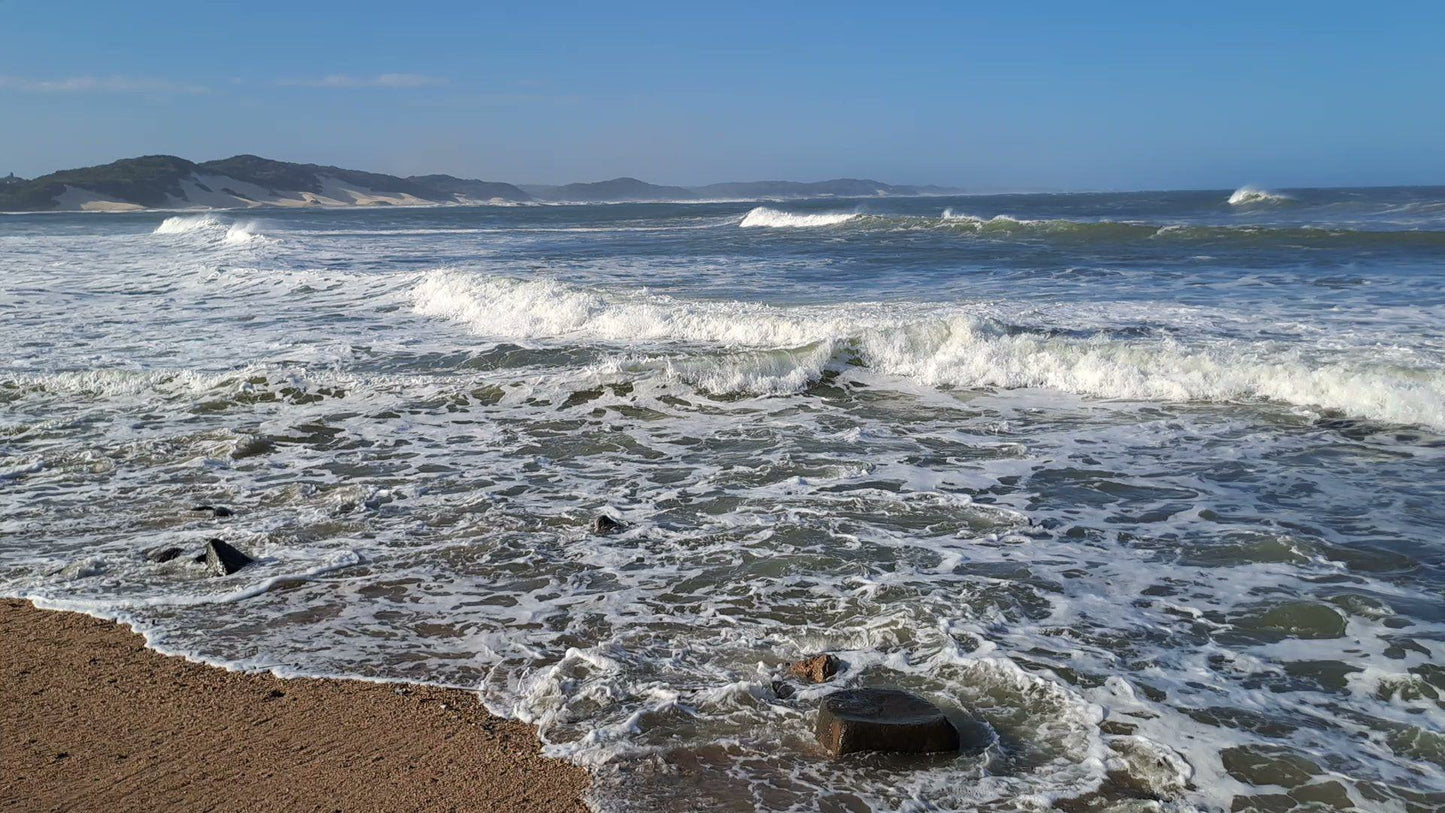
point(1149, 485)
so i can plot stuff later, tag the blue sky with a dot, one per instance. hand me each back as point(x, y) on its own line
point(1037, 95)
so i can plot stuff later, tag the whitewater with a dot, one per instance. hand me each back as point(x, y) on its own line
point(1149, 485)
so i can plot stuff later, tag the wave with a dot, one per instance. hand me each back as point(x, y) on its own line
point(736, 347)
point(211, 226)
point(763, 217)
point(1006, 227)
point(1253, 196)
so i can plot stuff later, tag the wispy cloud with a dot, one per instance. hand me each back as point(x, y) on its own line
point(98, 84)
point(385, 80)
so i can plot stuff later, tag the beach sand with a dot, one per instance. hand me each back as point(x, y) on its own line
point(95, 721)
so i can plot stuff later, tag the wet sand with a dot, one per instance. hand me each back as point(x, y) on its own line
point(95, 721)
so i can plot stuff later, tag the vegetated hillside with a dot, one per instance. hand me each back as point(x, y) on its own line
point(837, 188)
point(473, 189)
point(165, 181)
point(149, 180)
point(617, 190)
point(631, 189)
point(168, 182)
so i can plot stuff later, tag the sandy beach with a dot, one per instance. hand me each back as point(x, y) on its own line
point(95, 721)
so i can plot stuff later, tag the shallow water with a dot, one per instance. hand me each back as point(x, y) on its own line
point(1149, 484)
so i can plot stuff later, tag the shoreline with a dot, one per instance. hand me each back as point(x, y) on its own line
point(96, 720)
point(524, 204)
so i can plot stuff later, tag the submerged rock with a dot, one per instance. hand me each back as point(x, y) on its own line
point(223, 560)
point(603, 524)
point(164, 553)
point(817, 669)
point(782, 690)
point(218, 511)
point(83, 569)
point(882, 720)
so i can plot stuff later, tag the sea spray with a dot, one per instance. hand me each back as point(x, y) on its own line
point(764, 217)
point(1254, 196)
point(937, 346)
point(212, 227)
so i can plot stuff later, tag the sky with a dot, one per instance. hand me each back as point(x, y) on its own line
point(987, 96)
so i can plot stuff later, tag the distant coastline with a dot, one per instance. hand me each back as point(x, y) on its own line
point(166, 182)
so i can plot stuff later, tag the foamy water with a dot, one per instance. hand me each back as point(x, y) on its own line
point(764, 217)
point(1149, 485)
point(1251, 195)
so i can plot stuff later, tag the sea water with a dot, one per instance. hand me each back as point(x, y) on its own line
point(1150, 485)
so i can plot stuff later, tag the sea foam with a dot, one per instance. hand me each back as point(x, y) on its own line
point(211, 227)
point(767, 349)
point(764, 217)
point(1254, 196)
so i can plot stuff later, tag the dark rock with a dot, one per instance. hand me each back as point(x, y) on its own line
point(782, 690)
point(218, 511)
point(165, 553)
point(974, 734)
point(817, 669)
point(882, 720)
point(603, 524)
point(223, 560)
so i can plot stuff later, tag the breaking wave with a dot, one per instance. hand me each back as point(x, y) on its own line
point(763, 217)
point(1252, 196)
point(1006, 227)
point(212, 227)
point(763, 349)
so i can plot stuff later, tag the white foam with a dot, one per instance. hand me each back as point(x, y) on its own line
point(764, 217)
point(187, 224)
point(991, 551)
point(235, 233)
point(935, 345)
point(1250, 195)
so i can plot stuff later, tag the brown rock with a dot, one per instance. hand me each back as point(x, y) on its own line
point(817, 669)
point(882, 720)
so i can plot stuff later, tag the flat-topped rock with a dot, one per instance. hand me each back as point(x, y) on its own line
point(882, 720)
point(223, 560)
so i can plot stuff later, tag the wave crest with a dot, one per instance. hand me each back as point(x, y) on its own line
point(211, 227)
point(741, 347)
point(764, 217)
point(1111, 232)
point(1254, 196)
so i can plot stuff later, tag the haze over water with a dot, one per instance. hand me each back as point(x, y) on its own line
point(1150, 483)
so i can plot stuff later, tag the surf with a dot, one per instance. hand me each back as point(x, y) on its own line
point(767, 349)
point(763, 217)
point(1254, 196)
point(213, 228)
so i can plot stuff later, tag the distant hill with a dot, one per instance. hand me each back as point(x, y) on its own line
point(617, 190)
point(470, 189)
point(840, 188)
point(168, 182)
point(630, 189)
